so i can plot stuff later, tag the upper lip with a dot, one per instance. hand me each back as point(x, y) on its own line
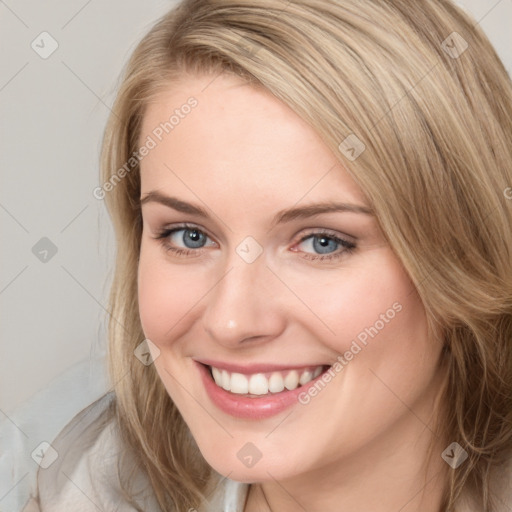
point(255, 367)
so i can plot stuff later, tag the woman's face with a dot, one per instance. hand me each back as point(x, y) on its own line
point(261, 258)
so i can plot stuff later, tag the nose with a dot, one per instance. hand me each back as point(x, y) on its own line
point(244, 307)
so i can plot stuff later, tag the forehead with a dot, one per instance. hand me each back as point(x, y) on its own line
point(223, 136)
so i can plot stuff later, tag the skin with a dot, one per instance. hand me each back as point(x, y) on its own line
point(361, 443)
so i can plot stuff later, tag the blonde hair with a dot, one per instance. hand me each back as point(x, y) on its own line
point(434, 112)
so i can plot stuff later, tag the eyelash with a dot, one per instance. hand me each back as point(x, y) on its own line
point(348, 246)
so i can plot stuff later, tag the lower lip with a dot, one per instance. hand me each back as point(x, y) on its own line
point(256, 408)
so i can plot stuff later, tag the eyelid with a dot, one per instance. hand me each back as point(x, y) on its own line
point(163, 234)
point(324, 231)
point(348, 245)
point(169, 228)
point(347, 242)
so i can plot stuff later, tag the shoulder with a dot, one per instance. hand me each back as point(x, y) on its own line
point(79, 469)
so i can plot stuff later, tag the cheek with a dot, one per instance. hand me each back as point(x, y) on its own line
point(167, 294)
point(382, 338)
point(374, 299)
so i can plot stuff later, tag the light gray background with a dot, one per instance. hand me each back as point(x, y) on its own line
point(53, 112)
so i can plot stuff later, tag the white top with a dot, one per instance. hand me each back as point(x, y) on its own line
point(84, 476)
point(76, 470)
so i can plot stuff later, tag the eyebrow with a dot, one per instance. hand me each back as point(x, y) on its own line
point(303, 212)
point(283, 216)
point(172, 202)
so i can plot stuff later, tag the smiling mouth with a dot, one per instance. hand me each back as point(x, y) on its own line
point(264, 384)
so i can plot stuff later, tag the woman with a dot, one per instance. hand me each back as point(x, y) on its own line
point(312, 300)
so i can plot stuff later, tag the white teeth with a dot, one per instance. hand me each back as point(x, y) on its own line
point(291, 381)
point(217, 376)
point(305, 377)
point(226, 384)
point(259, 384)
point(276, 383)
point(239, 384)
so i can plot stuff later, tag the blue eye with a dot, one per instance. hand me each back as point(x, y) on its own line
point(324, 245)
point(321, 244)
point(191, 238)
point(183, 239)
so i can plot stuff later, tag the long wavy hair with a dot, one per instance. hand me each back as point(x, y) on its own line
point(419, 84)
